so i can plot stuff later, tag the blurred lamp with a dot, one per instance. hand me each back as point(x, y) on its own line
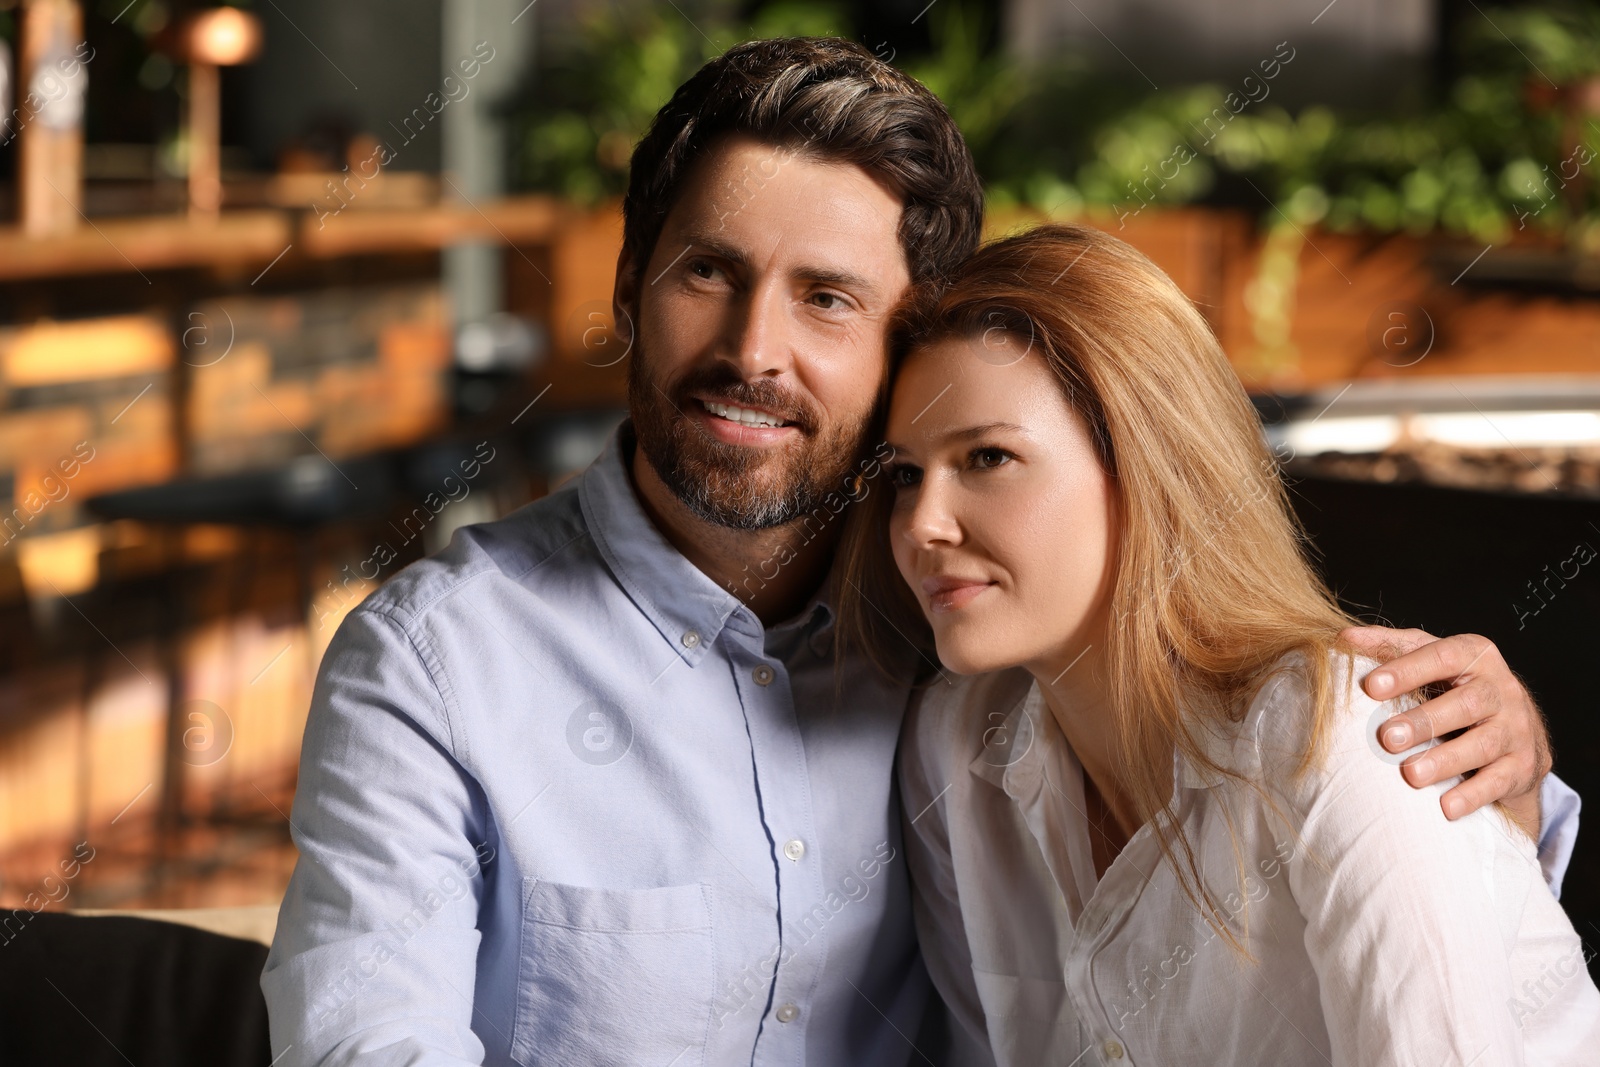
point(222, 37)
point(206, 40)
point(500, 344)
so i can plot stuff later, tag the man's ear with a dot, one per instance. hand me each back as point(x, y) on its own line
point(625, 298)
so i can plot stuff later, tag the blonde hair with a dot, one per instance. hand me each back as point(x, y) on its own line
point(1213, 585)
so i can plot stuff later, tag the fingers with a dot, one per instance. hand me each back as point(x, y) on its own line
point(1483, 747)
point(1454, 709)
point(1444, 660)
point(1503, 744)
point(1494, 782)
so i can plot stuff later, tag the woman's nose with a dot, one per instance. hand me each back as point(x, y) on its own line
point(933, 519)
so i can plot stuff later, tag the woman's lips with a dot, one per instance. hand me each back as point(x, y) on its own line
point(952, 594)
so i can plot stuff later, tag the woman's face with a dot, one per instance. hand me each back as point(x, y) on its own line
point(1004, 521)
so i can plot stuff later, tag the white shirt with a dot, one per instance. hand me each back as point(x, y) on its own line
point(1382, 934)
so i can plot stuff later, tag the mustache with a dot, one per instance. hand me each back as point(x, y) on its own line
point(723, 383)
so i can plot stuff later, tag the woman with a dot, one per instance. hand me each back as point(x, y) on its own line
point(1153, 824)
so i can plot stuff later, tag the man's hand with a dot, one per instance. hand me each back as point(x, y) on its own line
point(1505, 739)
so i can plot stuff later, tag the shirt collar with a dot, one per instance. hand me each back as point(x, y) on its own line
point(1015, 744)
point(1011, 755)
point(813, 625)
point(683, 603)
point(1192, 776)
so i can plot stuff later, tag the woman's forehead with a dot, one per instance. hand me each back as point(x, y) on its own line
point(960, 378)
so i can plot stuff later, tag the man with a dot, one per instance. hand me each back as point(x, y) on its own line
point(589, 786)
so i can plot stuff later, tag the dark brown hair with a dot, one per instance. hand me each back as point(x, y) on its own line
point(829, 99)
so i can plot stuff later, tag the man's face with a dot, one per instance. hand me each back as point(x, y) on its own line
point(760, 331)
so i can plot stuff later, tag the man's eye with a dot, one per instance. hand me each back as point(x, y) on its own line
point(984, 458)
point(827, 301)
point(702, 269)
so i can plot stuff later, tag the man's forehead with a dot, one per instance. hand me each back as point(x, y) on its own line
point(774, 206)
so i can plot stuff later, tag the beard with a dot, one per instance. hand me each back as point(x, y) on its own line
point(731, 485)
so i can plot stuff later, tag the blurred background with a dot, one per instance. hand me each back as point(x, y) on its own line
point(291, 290)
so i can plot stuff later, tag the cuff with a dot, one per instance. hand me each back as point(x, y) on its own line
point(1558, 829)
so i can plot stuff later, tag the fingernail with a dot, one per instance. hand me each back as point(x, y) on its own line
point(1423, 767)
point(1453, 807)
point(1381, 680)
point(1397, 736)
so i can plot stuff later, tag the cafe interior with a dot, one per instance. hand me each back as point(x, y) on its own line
point(291, 291)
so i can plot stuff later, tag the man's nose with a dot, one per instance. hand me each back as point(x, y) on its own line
point(760, 345)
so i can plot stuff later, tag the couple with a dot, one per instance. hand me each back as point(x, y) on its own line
point(613, 780)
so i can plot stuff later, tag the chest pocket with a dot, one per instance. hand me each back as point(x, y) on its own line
point(614, 976)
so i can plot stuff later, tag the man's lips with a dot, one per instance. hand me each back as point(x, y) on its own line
point(948, 593)
point(744, 414)
point(739, 424)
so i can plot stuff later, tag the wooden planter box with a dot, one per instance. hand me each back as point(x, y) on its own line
point(1348, 290)
point(567, 286)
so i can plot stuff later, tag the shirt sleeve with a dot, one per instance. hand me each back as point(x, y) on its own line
point(376, 948)
point(935, 899)
point(1558, 832)
point(1400, 909)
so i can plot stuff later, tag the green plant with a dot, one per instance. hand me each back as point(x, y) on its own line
point(578, 125)
point(981, 88)
point(1506, 150)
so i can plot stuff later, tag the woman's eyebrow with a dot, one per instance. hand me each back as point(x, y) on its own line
point(984, 430)
point(967, 434)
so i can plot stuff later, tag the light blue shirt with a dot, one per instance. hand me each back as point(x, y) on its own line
point(1558, 832)
point(563, 800)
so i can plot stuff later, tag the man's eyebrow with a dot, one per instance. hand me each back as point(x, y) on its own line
point(843, 279)
point(720, 249)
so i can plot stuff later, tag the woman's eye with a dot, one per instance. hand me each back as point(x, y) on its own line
point(904, 477)
point(984, 458)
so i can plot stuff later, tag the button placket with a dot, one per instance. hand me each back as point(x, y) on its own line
point(773, 716)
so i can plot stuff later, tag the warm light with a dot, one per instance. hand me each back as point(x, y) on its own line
point(1370, 434)
point(222, 37)
point(60, 564)
point(49, 353)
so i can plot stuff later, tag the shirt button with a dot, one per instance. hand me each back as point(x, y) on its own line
point(763, 675)
point(691, 638)
point(795, 849)
point(788, 1013)
point(1113, 1050)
